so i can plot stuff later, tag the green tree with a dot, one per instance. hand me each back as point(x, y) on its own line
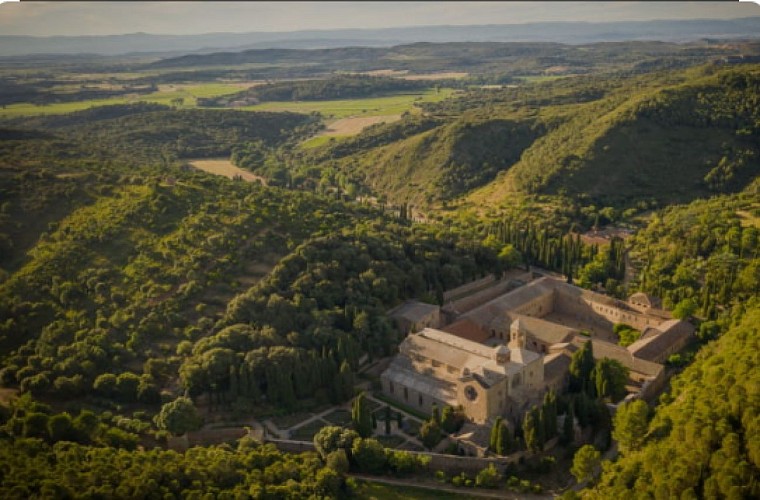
point(610, 378)
point(488, 477)
point(35, 425)
point(86, 425)
point(504, 442)
point(328, 482)
point(61, 428)
point(568, 430)
point(585, 463)
point(369, 455)
point(630, 425)
point(685, 309)
point(436, 414)
point(346, 381)
point(179, 416)
point(533, 430)
point(332, 437)
point(493, 442)
point(581, 366)
point(338, 461)
point(360, 416)
point(550, 414)
point(509, 257)
point(430, 434)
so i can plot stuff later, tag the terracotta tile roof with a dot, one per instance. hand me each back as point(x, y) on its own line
point(673, 332)
point(467, 329)
point(413, 311)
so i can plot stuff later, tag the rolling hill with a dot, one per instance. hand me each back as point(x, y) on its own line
point(667, 137)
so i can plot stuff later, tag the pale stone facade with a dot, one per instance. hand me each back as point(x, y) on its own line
point(501, 357)
point(438, 367)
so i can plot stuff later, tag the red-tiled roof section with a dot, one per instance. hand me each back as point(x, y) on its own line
point(467, 329)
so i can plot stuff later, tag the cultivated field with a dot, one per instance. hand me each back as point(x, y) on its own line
point(449, 75)
point(346, 127)
point(354, 125)
point(223, 166)
point(166, 93)
point(373, 106)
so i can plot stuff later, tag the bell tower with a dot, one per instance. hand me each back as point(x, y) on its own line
point(517, 335)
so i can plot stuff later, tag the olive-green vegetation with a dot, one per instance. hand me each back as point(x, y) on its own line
point(336, 87)
point(702, 257)
point(129, 286)
point(62, 99)
point(703, 439)
point(669, 139)
point(491, 62)
point(67, 470)
point(148, 133)
point(139, 297)
point(392, 104)
point(692, 133)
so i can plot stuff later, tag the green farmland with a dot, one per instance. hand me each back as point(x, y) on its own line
point(164, 96)
point(395, 104)
point(341, 108)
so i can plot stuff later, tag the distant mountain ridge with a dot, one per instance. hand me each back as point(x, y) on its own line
point(565, 32)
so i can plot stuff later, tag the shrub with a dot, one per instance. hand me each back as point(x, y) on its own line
point(488, 477)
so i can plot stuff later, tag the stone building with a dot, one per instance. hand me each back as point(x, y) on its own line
point(438, 367)
point(499, 358)
point(656, 344)
point(412, 316)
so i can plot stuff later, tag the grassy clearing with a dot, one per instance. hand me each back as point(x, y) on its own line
point(355, 124)
point(318, 140)
point(541, 78)
point(374, 106)
point(385, 107)
point(223, 166)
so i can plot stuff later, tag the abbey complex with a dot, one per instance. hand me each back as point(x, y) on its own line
point(497, 351)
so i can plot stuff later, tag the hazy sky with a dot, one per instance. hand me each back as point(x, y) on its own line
point(102, 18)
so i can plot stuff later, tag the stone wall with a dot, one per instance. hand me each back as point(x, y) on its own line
point(291, 446)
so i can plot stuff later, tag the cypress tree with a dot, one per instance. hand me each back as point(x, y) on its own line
point(494, 440)
point(243, 379)
point(550, 414)
point(505, 443)
point(541, 428)
point(233, 389)
point(568, 433)
point(529, 431)
point(360, 416)
point(346, 381)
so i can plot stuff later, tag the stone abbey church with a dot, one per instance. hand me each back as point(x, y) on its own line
point(498, 351)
